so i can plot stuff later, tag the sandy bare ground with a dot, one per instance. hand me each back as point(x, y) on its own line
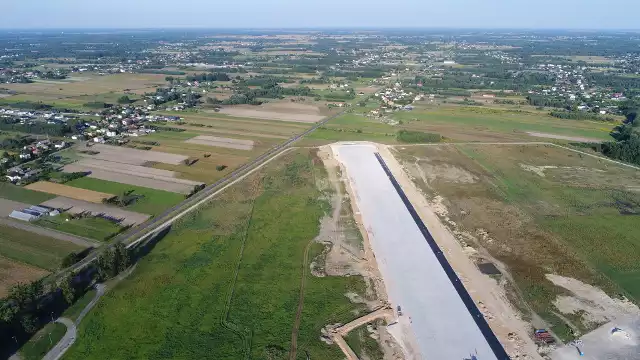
point(133, 175)
point(13, 272)
point(349, 255)
point(512, 331)
point(563, 137)
point(69, 191)
point(270, 115)
point(595, 306)
point(7, 206)
point(75, 206)
point(222, 142)
point(133, 156)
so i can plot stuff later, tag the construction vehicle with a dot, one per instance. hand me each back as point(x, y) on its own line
point(543, 337)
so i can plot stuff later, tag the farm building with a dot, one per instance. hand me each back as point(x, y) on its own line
point(32, 213)
point(19, 215)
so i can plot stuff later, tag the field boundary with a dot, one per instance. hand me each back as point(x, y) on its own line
point(244, 333)
point(522, 143)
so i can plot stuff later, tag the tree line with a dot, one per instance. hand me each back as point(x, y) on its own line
point(29, 306)
point(626, 146)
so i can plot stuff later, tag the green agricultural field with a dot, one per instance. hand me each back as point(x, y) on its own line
point(545, 209)
point(225, 282)
point(500, 121)
point(460, 124)
point(89, 227)
point(152, 202)
point(33, 249)
point(17, 193)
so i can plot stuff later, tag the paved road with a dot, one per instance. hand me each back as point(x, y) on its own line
point(49, 232)
point(67, 340)
point(72, 331)
point(433, 311)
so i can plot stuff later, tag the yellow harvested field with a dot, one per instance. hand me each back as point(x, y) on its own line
point(90, 84)
point(69, 191)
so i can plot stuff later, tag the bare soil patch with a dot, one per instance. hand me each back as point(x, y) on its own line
point(258, 113)
point(133, 156)
point(75, 206)
point(69, 191)
point(13, 273)
point(134, 175)
point(222, 142)
point(563, 137)
point(7, 206)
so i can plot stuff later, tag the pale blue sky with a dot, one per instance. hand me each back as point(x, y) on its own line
point(556, 14)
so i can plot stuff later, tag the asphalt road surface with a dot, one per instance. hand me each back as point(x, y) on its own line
point(439, 320)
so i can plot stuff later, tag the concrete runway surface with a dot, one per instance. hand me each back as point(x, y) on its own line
point(435, 319)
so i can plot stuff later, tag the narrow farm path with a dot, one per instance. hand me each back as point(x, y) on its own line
point(296, 325)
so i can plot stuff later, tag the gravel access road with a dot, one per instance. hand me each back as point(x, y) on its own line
point(433, 312)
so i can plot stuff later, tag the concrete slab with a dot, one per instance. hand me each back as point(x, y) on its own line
point(433, 312)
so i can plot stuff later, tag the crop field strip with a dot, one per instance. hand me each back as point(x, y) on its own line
point(25, 256)
point(272, 115)
point(133, 174)
point(7, 206)
point(268, 275)
point(152, 201)
point(115, 153)
point(12, 192)
point(69, 191)
point(222, 142)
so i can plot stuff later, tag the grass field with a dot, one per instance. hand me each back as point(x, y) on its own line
point(33, 249)
point(361, 342)
point(89, 87)
point(152, 202)
point(546, 210)
point(16, 193)
point(88, 227)
point(458, 124)
point(224, 283)
point(43, 341)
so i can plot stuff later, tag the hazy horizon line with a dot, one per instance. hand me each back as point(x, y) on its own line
point(318, 28)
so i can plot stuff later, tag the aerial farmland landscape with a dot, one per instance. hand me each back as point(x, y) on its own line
point(281, 189)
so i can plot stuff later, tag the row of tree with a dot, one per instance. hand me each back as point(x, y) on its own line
point(30, 306)
point(626, 146)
